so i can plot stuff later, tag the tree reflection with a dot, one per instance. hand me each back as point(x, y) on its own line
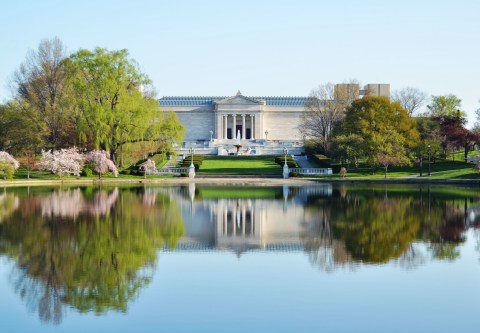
point(8, 204)
point(92, 250)
point(378, 226)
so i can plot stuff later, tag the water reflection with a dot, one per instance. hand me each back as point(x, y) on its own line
point(93, 249)
point(335, 227)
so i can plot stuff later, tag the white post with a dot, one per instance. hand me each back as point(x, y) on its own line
point(191, 171)
point(285, 166)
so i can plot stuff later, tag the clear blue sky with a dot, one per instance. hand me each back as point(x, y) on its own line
point(272, 48)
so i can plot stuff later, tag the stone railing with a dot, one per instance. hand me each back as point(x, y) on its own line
point(169, 171)
point(312, 171)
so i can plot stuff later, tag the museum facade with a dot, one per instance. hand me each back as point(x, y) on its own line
point(263, 124)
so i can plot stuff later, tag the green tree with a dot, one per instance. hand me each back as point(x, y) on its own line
point(390, 150)
point(117, 102)
point(349, 148)
point(374, 119)
point(42, 89)
point(445, 105)
point(18, 133)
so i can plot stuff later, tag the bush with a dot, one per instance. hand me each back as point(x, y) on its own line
point(87, 172)
point(6, 170)
point(126, 172)
point(293, 174)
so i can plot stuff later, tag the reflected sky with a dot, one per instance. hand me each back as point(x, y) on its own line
point(236, 258)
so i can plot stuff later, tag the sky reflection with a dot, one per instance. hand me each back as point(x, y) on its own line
point(188, 250)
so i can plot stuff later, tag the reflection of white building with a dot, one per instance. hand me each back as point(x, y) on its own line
point(241, 225)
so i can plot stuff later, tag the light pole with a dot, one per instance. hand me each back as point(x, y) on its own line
point(211, 135)
point(266, 135)
point(428, 159)
point(191, 171)
point(285, 165)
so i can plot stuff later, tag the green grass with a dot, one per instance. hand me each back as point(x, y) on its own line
point(240, 165)
point(440, 170)
point(239, 192)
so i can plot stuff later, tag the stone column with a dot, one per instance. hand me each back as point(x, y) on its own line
point(244, 220)
point(219, 128)
point(243, 127)
point(225, 119)
point(225, 220)
point(252, 120)
point(234, 126)
point(234, 215)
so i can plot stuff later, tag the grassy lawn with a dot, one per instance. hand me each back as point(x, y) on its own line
point(236, 192)
point(440, 170)
point(240, 165)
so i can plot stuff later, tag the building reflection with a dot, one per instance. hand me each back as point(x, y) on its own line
point(334, 227)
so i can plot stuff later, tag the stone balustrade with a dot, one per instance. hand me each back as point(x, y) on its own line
point(312, 171)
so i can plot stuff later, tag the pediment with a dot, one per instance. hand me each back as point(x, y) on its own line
point(239, 99)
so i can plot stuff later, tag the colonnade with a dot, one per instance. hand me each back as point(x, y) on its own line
point(237, 221)
point(223, 121)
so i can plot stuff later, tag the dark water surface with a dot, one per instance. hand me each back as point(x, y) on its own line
point(230, 258)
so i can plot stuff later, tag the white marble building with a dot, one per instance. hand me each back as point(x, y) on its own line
point(263, 125)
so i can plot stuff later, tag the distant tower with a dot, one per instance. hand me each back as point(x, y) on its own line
point(377, 89)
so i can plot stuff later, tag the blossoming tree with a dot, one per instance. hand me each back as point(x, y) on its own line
point(101, 162)
point(8, 165)
point(148, 166)
point(62, 162)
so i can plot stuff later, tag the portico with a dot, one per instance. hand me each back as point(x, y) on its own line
point(228, 125)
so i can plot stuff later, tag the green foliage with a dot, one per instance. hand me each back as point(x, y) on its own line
point(6, 170)
point(97, 260)
point(18, 133)
point(376, 121)
point(446, 105)
point(348, 148)
point(87, 172)
point(109, 90)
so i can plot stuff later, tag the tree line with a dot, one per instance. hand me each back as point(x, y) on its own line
point(382, 131)
point(91, 99)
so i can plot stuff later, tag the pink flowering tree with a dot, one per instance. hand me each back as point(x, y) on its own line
point(8, 165)
point(62, 162)
point(101, 162)
point(148, 166)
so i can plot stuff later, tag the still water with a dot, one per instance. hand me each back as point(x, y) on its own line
point(205, 258)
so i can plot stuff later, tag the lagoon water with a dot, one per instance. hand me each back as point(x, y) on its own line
point(236, 258)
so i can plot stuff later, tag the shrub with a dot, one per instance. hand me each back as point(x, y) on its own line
point(87, 172)
point(6, 169)
point(293, 174)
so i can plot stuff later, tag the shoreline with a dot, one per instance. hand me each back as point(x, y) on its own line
point(236, 180)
